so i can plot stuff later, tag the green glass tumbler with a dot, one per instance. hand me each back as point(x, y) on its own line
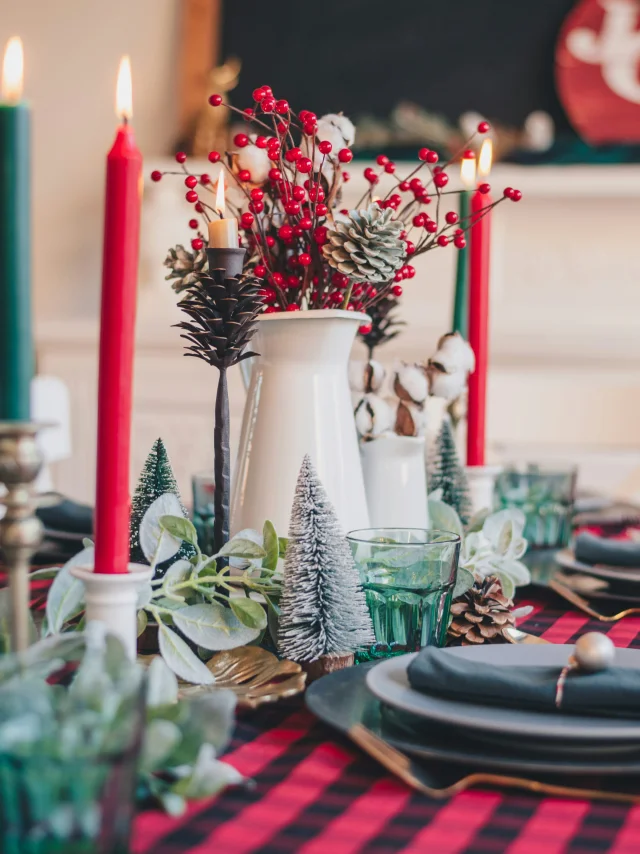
point(546, 496)
point(408, 575)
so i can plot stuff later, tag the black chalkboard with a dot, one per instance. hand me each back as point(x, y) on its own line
point(495, 57)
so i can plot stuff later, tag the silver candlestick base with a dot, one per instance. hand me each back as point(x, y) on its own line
point(20, 529)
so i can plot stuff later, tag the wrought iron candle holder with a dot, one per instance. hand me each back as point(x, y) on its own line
point(20, 529)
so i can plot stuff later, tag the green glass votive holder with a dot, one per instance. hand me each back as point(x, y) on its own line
point(546, 496)
point(408, 575)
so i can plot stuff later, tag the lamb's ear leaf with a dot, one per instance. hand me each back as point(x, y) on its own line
point(271, 546)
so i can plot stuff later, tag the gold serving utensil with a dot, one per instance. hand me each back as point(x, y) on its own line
point(516, 636)
point(413, 775)
point(254, 675)
point(582, 604)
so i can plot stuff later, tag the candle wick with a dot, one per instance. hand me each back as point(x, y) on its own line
point(125, 120)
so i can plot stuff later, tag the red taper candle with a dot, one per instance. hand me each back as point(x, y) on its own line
point(117, 332)
point(479, 259)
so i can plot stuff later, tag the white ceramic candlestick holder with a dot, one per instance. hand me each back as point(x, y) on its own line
point(112, 600)
point(482, 482)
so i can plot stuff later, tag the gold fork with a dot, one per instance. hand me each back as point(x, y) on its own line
point(403, 767)
point(583, 605)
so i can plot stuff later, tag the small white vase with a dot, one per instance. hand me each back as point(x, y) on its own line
point(482, 484)
point(299, 403)
point(396, 482)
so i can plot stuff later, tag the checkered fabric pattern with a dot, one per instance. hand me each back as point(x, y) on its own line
point(316, 793)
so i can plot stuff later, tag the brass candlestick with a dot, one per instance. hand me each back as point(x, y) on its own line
point(20, 529)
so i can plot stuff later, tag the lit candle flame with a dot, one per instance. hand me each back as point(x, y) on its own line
point(485, 158)
point(12, 71)
point(220, 203)
point(124, 90)
point(468, 172)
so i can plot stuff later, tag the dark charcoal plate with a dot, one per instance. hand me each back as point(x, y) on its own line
point(342, 699)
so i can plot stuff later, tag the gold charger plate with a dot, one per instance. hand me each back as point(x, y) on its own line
point(254, 675)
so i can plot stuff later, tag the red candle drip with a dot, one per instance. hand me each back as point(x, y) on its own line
point(479, 251)
point(117, 333)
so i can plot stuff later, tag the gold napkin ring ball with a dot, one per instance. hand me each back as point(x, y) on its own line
point(592, 653)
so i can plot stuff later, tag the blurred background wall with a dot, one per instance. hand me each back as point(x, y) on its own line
point(565, 377)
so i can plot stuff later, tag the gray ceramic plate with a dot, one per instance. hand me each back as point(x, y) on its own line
point(388, 681)
point(343, 700)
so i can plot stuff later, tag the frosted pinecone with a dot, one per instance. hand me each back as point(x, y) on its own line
point(186, 268)
point(366, 248)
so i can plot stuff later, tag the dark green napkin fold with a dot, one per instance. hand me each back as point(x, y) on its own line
point(611, 693)
point(592, 549)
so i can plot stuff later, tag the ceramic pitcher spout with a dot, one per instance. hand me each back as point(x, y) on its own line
point(298, 402)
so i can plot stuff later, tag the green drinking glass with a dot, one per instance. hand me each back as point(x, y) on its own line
point(546, 496)
point(408, 575)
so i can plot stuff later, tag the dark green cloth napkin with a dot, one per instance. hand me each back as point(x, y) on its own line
point(592, 549)
point(611, 693)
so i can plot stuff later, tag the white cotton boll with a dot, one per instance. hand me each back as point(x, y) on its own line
point(539, 131)
point(469, 122)
point(373, 416)
point(256, 161)
point(366, 376)
point(410, 383)
point(336, 129)
point(410, 419)
point(454, 354)
point(448, 386)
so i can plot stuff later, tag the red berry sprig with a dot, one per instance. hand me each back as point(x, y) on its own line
point(287, 218)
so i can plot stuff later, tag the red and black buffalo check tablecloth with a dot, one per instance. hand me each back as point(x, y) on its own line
point(316, 793)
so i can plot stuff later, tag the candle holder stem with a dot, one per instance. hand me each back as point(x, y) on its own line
point(20, 529)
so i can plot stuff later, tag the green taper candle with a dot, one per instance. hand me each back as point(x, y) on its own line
point(16, 335)
point(461, 297)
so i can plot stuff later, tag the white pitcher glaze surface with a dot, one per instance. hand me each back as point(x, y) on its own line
point(299, 402)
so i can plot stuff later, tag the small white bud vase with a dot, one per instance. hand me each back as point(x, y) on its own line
point(482, 485)
point(395, 481)
point(299, 403)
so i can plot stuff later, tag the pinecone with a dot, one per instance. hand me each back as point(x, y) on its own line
point(186, 267)
point(367, 248)
point(225, 317)
point(480, 614)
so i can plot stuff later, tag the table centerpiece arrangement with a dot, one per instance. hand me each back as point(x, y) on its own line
point(321, 268)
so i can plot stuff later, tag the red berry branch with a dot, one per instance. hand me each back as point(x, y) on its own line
point(287, 174)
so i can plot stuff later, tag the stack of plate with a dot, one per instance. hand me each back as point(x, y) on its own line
point(478, 736)
point(619, 582)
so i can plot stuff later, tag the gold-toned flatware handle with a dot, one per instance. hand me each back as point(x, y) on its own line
point(515, 636)
point(583, 605)
point(401, 765)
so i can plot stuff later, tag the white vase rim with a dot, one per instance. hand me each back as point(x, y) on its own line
point(315, 314)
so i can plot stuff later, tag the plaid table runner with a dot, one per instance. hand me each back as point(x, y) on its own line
point(316, 793)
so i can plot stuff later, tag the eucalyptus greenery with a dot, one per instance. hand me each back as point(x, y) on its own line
point(492, 544)
point(191, 605)
point(51, 733)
